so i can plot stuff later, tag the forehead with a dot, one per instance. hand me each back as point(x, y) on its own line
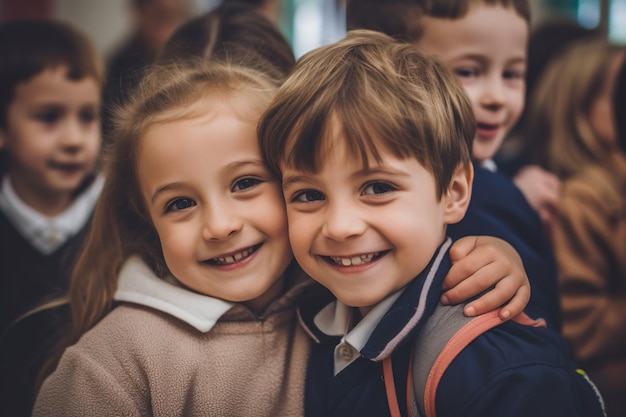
point(207, 120)
point(53, 85)
point(197, 148)
point(351, 147)
point(485, 30)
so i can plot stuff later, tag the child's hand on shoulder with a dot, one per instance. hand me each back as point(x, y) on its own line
point(480, 263)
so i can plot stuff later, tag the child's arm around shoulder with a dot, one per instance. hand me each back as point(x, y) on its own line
point(482, 262)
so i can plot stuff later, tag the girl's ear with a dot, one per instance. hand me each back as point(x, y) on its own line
point(2, 138)
point(459, 193)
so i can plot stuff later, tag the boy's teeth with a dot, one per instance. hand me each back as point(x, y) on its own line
point(234, 258)
point(355, 260)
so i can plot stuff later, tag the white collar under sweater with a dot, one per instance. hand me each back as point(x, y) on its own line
point(336, 319)
point(139, 285)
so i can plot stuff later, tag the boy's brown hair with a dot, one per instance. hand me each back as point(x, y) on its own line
point(382, 94)
point(28, 47)
point(401, 19)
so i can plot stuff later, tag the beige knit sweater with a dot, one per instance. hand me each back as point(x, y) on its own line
point(139, 361)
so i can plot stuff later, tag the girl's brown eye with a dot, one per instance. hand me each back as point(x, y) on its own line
point(246, 183)
point(179, 204)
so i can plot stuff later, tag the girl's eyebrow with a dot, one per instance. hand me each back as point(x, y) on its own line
point(232, 166)
point(164, 188)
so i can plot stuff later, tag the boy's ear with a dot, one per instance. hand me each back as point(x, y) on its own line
point(459, 194)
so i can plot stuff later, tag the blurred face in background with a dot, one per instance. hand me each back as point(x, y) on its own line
point(490, 67)
point(52, 138)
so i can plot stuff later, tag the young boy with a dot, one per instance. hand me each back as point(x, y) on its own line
point(484, 43)
point(50, 82)
point(372, 142)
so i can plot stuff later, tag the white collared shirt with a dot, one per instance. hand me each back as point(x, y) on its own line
point(336, 319)
point(45, 233)
point(138, 284)
point(489, 165)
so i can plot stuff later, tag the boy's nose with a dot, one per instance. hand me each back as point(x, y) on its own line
point(73, 135)
point(220, 222)
point(493, 94)
point(342, 223)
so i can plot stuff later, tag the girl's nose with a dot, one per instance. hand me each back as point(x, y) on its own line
point(221, 221)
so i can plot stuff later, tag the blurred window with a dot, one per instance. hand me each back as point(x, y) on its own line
point(617, 21)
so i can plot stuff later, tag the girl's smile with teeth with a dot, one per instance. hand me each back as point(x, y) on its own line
point(231, 259)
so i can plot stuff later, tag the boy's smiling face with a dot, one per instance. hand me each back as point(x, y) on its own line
point(52, 137)
point(487, 50)
point(365, 233)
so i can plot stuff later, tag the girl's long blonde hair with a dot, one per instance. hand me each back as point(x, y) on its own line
point(558, 118)
point(121, 226)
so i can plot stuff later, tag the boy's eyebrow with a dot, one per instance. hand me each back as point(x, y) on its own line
point(483, 58)
point(290, 180)
point(379, 170)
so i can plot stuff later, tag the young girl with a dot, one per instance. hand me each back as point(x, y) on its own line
point(590, 234)
point(50, 82)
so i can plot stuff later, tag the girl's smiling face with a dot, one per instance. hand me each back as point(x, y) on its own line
point(217, 210)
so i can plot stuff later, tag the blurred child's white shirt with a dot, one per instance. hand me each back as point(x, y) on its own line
point(48, 233)
point(489, 165)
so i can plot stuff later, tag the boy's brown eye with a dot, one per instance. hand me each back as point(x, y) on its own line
point(466, 72)
point(378, 188)
point(88, 116)
point(306, 196)
point(48, 117)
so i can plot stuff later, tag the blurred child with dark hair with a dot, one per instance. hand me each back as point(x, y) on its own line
point(50, 88)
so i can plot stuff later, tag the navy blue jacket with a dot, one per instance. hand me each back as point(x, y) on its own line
point(498, 208)
point(511, 370)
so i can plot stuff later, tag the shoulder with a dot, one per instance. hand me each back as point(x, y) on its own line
point(517, 368)
point(498, 208)
point(124, 350)
point(130, 325)
point(492, 190)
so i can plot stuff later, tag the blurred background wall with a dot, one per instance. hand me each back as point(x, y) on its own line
point(306, 23)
